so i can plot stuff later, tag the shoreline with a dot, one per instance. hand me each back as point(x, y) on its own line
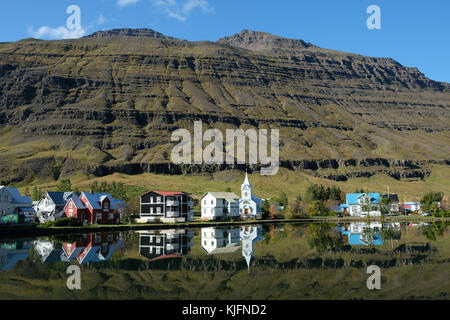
point(48, 231)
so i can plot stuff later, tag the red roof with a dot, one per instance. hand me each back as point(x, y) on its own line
point(170, 193)
point(167, 256)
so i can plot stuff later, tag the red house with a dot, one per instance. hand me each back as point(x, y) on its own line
point(92, 208)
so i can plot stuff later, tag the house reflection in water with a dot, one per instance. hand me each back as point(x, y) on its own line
point(162, 244)
point(220, 240)
point(216, 240)
point(50, 251)
point(94, 247)
point(12, 252)
point(361, 233)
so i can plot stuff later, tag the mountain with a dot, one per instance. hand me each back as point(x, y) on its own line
point(109, 102)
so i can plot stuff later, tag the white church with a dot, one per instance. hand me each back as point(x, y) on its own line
point(224, 205)
point(249, 204)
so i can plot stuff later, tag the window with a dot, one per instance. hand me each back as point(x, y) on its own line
point(151, 199)
point(110, 216)
point(158, 210)
point(99, 216)
point(212, 201)
point(158, 199)
point(106, 205)
point(151, 209)
point(204, 201)
point(70, 204)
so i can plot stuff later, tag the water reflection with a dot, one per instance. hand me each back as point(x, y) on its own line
point(50, 251)
point(220, 240)
point(13, 251)
point(164, 244)
point(372, 233)
point(93, 247)
point(304, 261)
point(223, 240)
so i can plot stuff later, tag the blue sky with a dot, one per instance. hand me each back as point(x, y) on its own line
point(415, 33)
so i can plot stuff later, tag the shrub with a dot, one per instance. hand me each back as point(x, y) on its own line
point(317, 208)
point(64, 222)
point(295, 215)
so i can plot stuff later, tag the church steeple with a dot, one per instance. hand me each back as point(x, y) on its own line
point(246, 188)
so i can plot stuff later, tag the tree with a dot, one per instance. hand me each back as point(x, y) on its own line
point(228, 189)
point(317, 208)
point(385, 205)
point(335, 194)
point(132, 207)
point(367, 205)
point(319, 192)
point(283, 200)
point(94, 187)
point(37, 194)
point(296, 208)
point(65, 185)
point(430, 199)
point(265, 206)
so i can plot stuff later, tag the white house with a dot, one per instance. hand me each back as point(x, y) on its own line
point(220, 240)
point(219, 205)
point(51, 206)
point(356, 202)
point(249, 205)
point(12, 202)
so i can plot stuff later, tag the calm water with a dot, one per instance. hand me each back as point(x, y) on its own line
point(304, 261)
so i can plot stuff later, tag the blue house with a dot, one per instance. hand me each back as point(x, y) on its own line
point(356, 200)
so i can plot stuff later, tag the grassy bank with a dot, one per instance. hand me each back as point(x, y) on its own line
point(291, 182)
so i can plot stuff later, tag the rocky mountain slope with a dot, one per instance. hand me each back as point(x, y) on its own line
point(109, 102)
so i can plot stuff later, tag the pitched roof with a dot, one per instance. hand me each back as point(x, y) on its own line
point(352, 198)
point(16, 196)
point(392, 196)
point(168, 193)
point(78, 203)
point(60, 198)
point(222, 195)
point(95, 198)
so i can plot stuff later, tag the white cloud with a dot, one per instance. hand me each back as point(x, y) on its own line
point(181, 10)
point(57, 33)
point(101, 20)
point(124, 3)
